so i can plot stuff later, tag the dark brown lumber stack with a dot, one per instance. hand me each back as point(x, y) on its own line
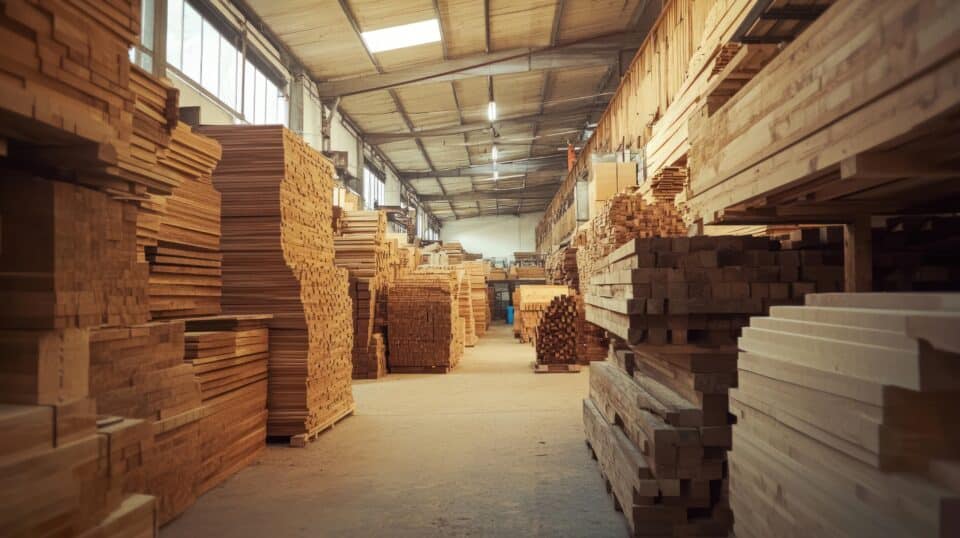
point(425, 328)
point(278, 258)
point(676, 306)
point(229, 355)
point(846, 413)
point(561, 268)
point(529, 303)
point(556, 340)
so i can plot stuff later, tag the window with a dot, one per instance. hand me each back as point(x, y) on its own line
point(202, 53)
point(373, 187)
point(142, 53)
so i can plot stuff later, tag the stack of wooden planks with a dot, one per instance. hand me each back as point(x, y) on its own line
point(362, 249)
point(623, 217)
point(846, 413)
point(527, 272)
point(229, 355)
point(529, 303)
point(592, 341)
point(556, 340)
point(139, 372)
point(465, 305)
point(278, 258)
point(425, 328)
point(561, 268)
point(476, 271)
point(665, 184)
point(454, 251)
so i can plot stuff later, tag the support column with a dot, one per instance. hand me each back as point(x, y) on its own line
point(858, 255)
point(297, 99)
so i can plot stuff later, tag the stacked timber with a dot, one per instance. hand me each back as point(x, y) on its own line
point(278, 258)
point(433, 254)
point(846, 413)
point(621, 218)
point(229, 356)
point(530, 301)
point(592, 341)
point(675, 307)
point(426, 331)
point(527, 258)
point(527, 272)
point(497, 274)
point(561, 268)
point(139, 372)
point(362, 249)
point(465, 306)
point(476, 271)
point(917, 254)
point(454, 251)
point(556, 341)
point(665, 184)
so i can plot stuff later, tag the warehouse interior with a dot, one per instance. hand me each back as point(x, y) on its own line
point(557, 268)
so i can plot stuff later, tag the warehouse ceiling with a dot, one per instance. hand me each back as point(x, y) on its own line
point(549, 65)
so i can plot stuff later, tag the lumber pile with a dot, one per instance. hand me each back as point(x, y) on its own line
point(527, 272)
point(556, 340)
point(621, 218)
point(846, 417)
point(229, 356)
point(362, 249)
point(676, 306)
point(433, 254)
point(561, 268)
point(278, 258)
point(530, 301)
point(454, 251)
point(592, 341)
point(917, 254)
point(665, 184)
point(476, 271)
point(139, 372)
point(465, 306)
point(527, 258)
point(426, 331)
point(497, 274)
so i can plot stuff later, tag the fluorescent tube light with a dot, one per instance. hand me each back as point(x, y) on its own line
point(402, 36)
point(492, 110)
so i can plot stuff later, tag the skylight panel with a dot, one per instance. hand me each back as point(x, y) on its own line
point(402, 36)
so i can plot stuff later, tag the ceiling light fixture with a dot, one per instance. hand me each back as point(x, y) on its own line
point(491, 110)
point(402, 36)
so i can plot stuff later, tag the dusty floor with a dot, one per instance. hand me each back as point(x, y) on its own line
point(488, 450)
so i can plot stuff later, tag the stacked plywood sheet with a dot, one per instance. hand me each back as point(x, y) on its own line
point(676, 306)
point(139, 372)
point(529, 303)
point(362, 249)
point(476, 271)
point(846, 415)
point(425, 328)
point(621, 218)
point(278, 258)
point(229, 355)
point(561, 268)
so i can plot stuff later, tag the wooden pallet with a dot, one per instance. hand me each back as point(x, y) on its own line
point(301, 440)
point(420, 369)
point(555, 368)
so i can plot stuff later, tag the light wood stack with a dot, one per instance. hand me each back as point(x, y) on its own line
point(529, 303)
point(478, 291)
point(229, 356)
point(454, 251)
point(362, 249)
point(526, 272)
point(278, 259)
point(846, 415)
point(675, 306)
point(465, 306)
point(426, 332)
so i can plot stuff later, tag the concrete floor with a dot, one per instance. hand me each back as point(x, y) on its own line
point(488, 450)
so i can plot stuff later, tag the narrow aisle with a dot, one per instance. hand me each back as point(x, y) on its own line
point(488, 450)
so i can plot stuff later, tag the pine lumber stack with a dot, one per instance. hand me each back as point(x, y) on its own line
point(278, 259)
point(497, 274)
point(561, 268)
point(229, 355)
point(139, 372)
point(478, 291)
point(426, 332)
point(676, 306)
point(556, 340)
point(530, 301)
point(623, 217)
point(465, 306)
point(454, 251)
point(528, 272)
point(665, 184)
point(846, 418)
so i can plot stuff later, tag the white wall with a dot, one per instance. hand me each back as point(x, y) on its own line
point(494, 236)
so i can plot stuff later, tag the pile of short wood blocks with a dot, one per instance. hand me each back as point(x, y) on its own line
point(556, 341)
point(846, 413)
point(279, 259)
point(561, 268)
point(623, 217)
point(426, 332)
point(362, 250)
point(657, 416)
point(530, 301)
point(664, 185)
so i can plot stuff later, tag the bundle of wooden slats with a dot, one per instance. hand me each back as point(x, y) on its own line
point(621, 218)
point(478, 291)
point(278, 258)
point(561, 268)
point(846, 415)
point(229, 355)
point(665, 184)
point(529, 303)
point(592, 341)
point(139, 372)
point(497, 273)
point(454, 251)
point(426, 332)
point(465, 306)
point(676, 306)
point(556, 340)
point(362, 249)
point(527, 272)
